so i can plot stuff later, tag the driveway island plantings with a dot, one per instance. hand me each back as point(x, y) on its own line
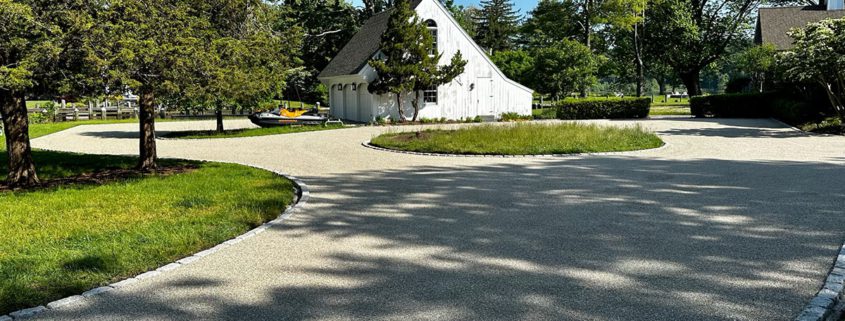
point(94, 221)
point(522, 139)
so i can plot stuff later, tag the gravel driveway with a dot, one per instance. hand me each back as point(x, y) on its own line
point(734, 220)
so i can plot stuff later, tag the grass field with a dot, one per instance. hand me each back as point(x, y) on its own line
point(61, 241)
point(522, 139)
point(251, 132)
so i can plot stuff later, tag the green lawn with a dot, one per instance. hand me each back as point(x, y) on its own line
point(251, 132)
point(669, 110)
point(662, 101)
point(62, 241)
point(522, 139)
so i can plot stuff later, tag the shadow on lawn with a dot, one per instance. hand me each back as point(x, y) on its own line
point(612, 238)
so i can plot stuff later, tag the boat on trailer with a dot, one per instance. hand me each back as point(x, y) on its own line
point(285, 117)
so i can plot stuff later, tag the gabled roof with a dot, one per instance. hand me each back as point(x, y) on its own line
point(773, 24)
point(358, 51)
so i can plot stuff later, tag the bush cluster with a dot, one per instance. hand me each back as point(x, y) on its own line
point(510, 117)
point(604, 108)
point(792, 109)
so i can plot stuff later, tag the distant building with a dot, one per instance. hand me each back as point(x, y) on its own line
point(773, 24)
point(482, 90)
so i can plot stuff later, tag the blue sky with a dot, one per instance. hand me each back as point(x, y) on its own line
point(524, 6)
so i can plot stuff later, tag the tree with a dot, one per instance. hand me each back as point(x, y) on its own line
point(431, 75)
point(36, 48)
point(516, 64)
point(689, 35)
point(551, 21)
point(371, 7)
point(564, 67)
point(153, 48)
point(402, 54)
point(463, 15)
point(327, 25)
point(246, 63)
point(816, 57)
point(757, 61)
point(496, 23)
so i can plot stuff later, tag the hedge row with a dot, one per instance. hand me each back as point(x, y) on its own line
point(604, 108)
point(788, 108)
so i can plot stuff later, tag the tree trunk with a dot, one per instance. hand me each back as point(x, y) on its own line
point(399, 104)
point(692, 81)
point(661, 84)
point(219, 115)
point(148, 159)
point(16, 128)
point(416, 104)
point(639, 61)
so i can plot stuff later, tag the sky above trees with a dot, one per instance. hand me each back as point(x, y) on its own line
point(524, 6)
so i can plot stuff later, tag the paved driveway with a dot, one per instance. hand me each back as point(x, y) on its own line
point(734, 220)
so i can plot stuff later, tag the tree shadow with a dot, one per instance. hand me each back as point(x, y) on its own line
point(602, 238)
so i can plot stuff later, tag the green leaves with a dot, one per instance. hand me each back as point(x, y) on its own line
point(818, 56)
point(565, 67)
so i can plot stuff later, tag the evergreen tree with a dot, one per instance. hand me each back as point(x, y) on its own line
point(496, 24)
point(38, 49)
point(551, 21)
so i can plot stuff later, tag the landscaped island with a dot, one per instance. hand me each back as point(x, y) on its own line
point(249, 132)
point(95, 221)
point(522, 139)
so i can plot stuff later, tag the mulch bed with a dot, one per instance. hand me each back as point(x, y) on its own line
point(101, 177)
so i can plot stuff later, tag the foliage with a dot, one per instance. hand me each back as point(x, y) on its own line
point(603, 108)
point(563, 68)
point(817, 57)
point(81, 237)
point(516, 64)
point(510, 117)
point(689, 35)
point(550, 22)
point(747, 105)
point(522, 139)
point(496, 23)
point(757, 61)
point(463, 15)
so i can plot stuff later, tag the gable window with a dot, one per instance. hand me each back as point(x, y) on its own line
point(432, 29)
point(430, 95)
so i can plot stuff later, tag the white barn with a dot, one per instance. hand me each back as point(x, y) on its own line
point(482, 90)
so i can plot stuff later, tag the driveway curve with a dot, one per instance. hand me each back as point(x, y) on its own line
point(734, 220)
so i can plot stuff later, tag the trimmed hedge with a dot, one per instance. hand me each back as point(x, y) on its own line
point(791, 109)
point(604, 108)
point(756, 105)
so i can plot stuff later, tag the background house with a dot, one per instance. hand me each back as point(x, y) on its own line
point(482, 90)
point(773, 24)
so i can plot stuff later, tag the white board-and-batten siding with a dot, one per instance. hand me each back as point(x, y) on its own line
point(482, 90)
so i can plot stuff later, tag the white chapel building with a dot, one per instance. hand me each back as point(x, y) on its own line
point(482, 90)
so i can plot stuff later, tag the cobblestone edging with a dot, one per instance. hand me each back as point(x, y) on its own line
point(303, 194)
point(829, 302)
point(367, 144)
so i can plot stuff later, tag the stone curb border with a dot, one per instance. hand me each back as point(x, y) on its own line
point(303, 195)
point(368, 144)
point(829, 302)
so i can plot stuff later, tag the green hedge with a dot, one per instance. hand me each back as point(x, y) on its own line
point(791, 109)
point(604, 108)
point(756, 105)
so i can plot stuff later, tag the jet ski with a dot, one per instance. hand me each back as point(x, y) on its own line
point(284, 117)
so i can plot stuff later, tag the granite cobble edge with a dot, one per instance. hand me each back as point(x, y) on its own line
point(829, 303)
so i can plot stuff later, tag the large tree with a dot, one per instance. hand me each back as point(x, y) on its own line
point(563, 68)
point(689, 35)
point(496, 24)
point(817, 57)
point(37, 50)
point(516, 64)
point(152, 48)
point(551, 21)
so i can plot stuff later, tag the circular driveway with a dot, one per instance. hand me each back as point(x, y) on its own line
point(734, 220)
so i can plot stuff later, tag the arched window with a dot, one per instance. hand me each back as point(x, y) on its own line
point(432, 29)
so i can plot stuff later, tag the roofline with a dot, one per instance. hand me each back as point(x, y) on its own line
point(477, 47)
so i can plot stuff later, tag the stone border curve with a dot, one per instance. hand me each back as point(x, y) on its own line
point(829, 303)
point(368, 144)
point(303, 194)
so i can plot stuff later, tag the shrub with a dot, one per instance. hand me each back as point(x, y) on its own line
point(514, 117)
point(601, 108)
point(754, 105)
point(477, 119)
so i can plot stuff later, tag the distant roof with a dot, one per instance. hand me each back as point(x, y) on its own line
point(358, 51)
point(773, 24)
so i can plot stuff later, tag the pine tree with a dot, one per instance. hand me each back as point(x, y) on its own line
point(496, 25)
